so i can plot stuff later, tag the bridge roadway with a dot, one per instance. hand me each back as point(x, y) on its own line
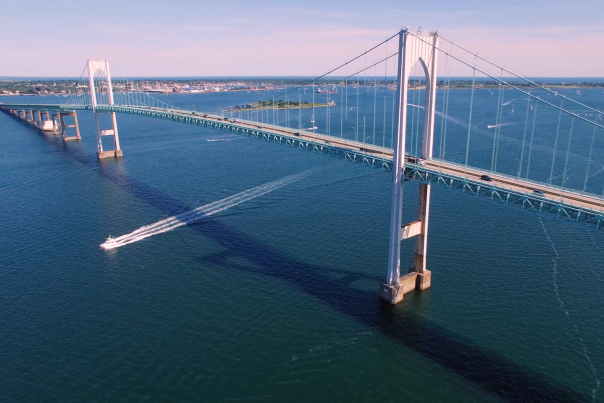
point(565, 203)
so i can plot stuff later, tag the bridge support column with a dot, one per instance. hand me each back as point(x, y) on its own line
point(412, 49)
point(424, 276)
point(64, 127)
point(56, 125)
point(101, 154)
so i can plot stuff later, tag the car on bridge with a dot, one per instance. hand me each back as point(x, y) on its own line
point(538, 192)
point(486, 178)
point(415, 160)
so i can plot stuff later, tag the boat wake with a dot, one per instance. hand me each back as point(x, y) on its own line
point(200, 213)
point(499, 125)
point(563, 308)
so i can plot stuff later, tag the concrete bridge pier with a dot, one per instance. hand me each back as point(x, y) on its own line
point(412, 49)
point(424, 276)
point(56, 123)
point(102, 154)
point(64, 127)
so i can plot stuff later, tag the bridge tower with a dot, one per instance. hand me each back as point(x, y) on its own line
point(412, 49)
point(95, 66)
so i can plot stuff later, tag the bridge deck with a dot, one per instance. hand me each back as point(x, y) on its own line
point(567, 203)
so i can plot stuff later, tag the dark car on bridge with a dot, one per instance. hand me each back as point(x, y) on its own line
point(538, 192)
point(486, 178)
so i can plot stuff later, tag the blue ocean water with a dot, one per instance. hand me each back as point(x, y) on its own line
point(276, 298)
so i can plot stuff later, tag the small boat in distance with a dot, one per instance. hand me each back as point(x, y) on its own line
point(110, 240)
point(333, 90)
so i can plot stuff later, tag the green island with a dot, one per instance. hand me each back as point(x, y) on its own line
point(279, 105)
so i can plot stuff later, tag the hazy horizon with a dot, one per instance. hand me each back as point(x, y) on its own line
point(591, 79)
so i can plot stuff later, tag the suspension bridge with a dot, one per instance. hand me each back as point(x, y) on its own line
point(480, 128)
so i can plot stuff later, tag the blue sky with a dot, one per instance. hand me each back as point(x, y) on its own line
point(251, 38)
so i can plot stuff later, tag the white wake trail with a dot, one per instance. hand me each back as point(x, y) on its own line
point(563, 308)
point(499, 125)
point(202, 212)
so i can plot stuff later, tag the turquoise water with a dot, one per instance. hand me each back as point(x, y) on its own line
point(275, 299)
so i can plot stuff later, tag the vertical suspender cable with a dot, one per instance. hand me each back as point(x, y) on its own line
point(419, 102)
point(300, 107)
point(385, 97)
point(570, 136)
point(446, 117)
point(413, 108)
point(418, 85)
point(499, 100)
point(342, 111)
point(442, 121)
point(551, 172)
point(528, 165)
point(374, 99)
point(393, 109)
point(591, 148)
point(470, 118)
point(346, 89)
point(498, 128)
point(286, 111)
point(328, 129)
point(365, 100)
point(356, 132)
point(528, 103)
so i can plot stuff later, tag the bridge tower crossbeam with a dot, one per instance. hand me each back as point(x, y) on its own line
point(423, 50)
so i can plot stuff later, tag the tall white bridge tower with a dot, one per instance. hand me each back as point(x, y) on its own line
point(102, 67)
point(412, 49)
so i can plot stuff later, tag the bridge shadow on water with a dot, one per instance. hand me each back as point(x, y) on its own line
point(487, 370)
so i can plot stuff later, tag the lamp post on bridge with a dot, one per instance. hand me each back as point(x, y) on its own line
point(564, 180)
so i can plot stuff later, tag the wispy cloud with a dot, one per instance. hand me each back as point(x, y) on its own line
point(281, 38)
